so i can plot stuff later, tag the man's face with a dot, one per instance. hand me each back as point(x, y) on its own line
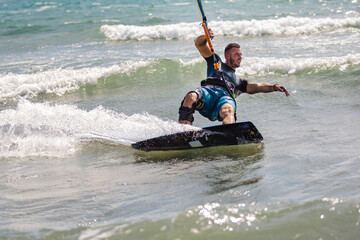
point(234, 57)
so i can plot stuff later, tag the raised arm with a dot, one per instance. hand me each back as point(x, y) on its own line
point(201, 45)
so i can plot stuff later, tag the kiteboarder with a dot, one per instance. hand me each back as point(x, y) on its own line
point(215, 99)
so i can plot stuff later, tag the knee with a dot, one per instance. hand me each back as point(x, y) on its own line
point(190, 99)
point(227, 110)
point(187, 108)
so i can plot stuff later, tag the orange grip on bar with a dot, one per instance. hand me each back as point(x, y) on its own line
point(208, 37)
point(216, 64)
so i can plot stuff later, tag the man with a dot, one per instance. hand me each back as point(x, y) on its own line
point(215, 99)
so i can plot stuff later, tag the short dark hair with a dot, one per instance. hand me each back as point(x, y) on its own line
point(230, 46)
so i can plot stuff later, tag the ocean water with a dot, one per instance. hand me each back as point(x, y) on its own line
point(82, 80)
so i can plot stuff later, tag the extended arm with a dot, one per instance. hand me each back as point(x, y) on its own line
point(265, 88)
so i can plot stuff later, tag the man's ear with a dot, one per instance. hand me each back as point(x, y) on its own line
point(226, 57)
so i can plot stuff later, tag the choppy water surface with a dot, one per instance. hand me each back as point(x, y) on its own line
point(81, 81)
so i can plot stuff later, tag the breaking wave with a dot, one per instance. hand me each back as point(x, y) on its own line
point(278, 27)
point(61, 81)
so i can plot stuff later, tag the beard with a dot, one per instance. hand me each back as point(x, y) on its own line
point(233, 64)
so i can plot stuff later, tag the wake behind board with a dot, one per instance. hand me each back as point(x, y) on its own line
point(226, 134)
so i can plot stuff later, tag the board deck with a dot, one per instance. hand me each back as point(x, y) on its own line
point(226, 134)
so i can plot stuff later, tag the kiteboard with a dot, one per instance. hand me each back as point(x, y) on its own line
point(226, 134)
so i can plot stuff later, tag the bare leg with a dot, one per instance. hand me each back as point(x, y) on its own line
point(227, 113)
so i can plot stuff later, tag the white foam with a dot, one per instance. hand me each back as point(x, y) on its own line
point(59, 81)
point(143, 33)
point(41, 129)
point(266, 66)
point(43, 8)
point(282, 26)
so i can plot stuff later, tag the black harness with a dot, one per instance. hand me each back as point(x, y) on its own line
point(220, 82)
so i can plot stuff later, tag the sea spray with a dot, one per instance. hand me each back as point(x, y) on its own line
point(42, 129)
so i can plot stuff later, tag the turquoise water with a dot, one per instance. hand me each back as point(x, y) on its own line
point(82, 80)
